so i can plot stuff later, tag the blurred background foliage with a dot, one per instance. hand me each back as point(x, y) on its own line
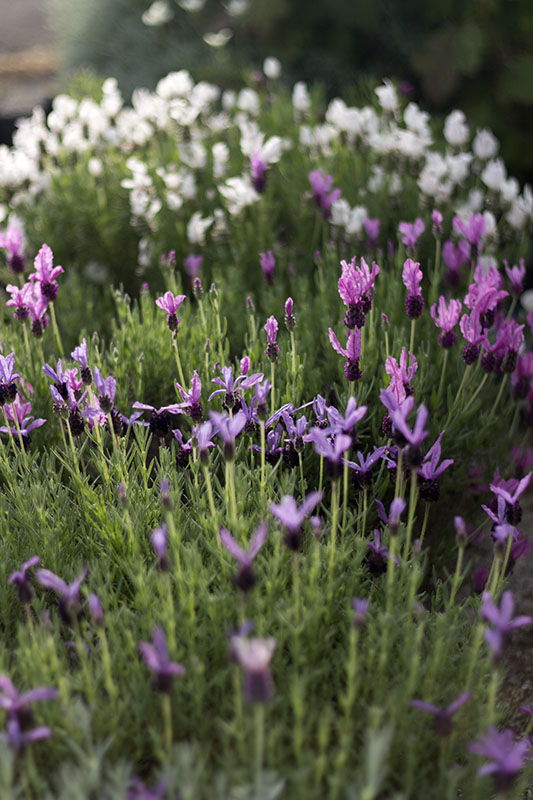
point(476, 55)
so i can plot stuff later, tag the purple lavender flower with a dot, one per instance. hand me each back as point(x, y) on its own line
point(228, 428)
point(159, 538)
point(37, 304)
point(25, 590)
point(346, 424)
point(412, 277)
point(392, 521)
point(258, 169)
point(271, 328)
point(268, 263)
point(360, 609)
point(376, 560)
point(473, 230)
point(290, 321)
point(352, 352)
point(68, 594)
point(17, 705)
point(160, 422)
point(372, 231)
point(12, 241)
point(436, 219)
point(203, 438)
point(323, 195)
point(411, 232)
point(501, 620)
point(442, 716)
point(292, 517)
point(244, 579)
point(355, 286)
point(430, 472)
point(516, 276)
point(510, 494)
point(170, 303)
point(272, 446)
point(8, 387)
point(446, 319)
point(415, 436)
point(46, 273)
point(254, 655)
point(232, 387)
point(474, 335)
point(193, 264)
point(106, 389)
point(192, 398)
point(331, 450)
point(17, 739)
point(80, 354)
point(157, 659)
point(95, 609)
point(19, 299)
point(139, 791)
point(362, 471)
point(506, 756)
point(401, 375)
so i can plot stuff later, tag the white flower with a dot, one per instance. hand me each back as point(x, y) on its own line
point(95, 167)
point(229, 98)
point(485, 144)
point(158, 14)
point(455, 129)
point(204, 94)
point(458, 166)
point(175, 84)
point(193, 154)
point(526, 300)
point(509, 190)
point(491, 229)
point(236, 8)
point(248, 100)
point(218, 38)
point(388, 99)
point(300, 98)
point(192, 6)
point(272, 68)
point(417, 120)
point(494, 175)
point(356, 221)
point(238, 193)
point(220, 152)
point(340, 212)
point(197, 228)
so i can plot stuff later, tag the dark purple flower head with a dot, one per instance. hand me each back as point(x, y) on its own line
point(20, 299)
point(355, 287)
point(268, 263)
point(170, 303)
point(254, 655)
point(442, 716)
point(473, 230)
point(290, 321)
point(511, 495)
point(411, 232)
point(323, 195)
point(25, 590)
point(376, 561)
point(506, 757)
point(352, 353)
point(244, 579)
point(330, 449)
point(501, 620)
point(157, 659)
point(362, 471)
point(430, 469)
point(231, 387)
point(418, 433)
point(17, 739)
point(7, 367)
point(454, 257)
point(446, 318)
point(68, 594)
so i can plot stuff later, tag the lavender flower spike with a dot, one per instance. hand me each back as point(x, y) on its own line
point(506, 756)
point(292, 517)
point(16, 704)
point(244, 579)
point(254, 655)
point(157, 659)
point(25, 590)
point(271, 328)
point(17, 739)
point(170, 303)
point(443, 716)
point(501, 619)
point(68, 594)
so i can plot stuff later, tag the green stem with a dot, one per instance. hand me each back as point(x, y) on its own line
point(167, 721)
point(442, 374)
point(55, 329)
point(272, 389)
point(412, 339)
point(259, 724)
point(498, 396)
point(263, 448)
point(178, 360)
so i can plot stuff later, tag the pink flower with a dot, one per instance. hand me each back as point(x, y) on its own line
point(411, 232)
point(170, 303)
point(473, 230)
